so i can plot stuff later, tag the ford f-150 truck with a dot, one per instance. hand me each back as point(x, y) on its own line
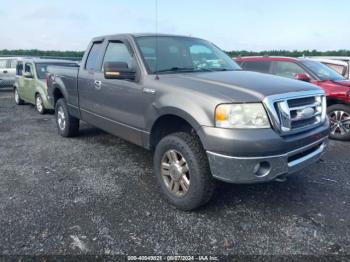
point(188, 102)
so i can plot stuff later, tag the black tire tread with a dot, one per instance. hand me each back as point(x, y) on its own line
point(195, 146)
point(20, 101)
point(44, 109)
point(72, 123)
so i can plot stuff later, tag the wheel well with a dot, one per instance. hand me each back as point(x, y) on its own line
point(57, 94)
point(334, 101)
point(166, 125)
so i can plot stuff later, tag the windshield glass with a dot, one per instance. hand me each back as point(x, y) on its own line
point(322, 71)
point(41, 68)
point(182, 54)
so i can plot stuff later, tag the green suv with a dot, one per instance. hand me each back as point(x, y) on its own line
point(30, 85)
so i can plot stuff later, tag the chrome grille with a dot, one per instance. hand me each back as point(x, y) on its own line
point(296, 112)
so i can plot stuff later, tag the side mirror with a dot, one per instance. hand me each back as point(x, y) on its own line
point(303, 77)
point(28, 75)
point(118, 70)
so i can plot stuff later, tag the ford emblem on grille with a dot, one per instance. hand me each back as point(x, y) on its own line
point(305, 113)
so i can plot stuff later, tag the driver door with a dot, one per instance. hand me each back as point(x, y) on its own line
point(121, 103)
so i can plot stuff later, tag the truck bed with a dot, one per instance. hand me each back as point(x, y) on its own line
point(68, 77)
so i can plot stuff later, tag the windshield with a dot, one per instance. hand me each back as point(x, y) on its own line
point(182, 54)
point(41, 68)
point(322, 71)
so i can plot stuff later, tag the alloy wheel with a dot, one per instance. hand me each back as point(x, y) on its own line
point(175, 173)
point(61, 118)
point(340, 122)
point(16, 96)
point(39, 104)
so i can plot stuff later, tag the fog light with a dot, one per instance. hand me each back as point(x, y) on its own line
point(262, 169)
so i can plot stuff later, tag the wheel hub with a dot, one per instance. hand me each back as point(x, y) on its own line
point(61, 119)
point(339, 122)
point(176, 172)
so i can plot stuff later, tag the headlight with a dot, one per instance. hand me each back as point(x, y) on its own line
point(251, 115)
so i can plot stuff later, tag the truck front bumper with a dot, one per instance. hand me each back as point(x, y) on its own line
point(254, 156)
point(262, 169)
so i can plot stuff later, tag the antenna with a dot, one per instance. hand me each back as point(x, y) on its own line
point(156, 3)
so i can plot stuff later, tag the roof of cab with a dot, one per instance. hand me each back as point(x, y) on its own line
point(268, 58)
point(100, 38)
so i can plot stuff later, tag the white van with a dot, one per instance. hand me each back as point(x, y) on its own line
point(7, 71)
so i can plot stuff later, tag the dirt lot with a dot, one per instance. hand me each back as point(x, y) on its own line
point(95, 194)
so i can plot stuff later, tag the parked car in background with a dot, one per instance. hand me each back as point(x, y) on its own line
point(337, 87)
point(341, 64)
point(7, 71)
point(30, 85)
point(193, 106)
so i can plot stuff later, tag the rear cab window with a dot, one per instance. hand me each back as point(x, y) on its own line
point(256, 66)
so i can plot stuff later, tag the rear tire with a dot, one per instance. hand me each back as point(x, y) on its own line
point(39, 104)
point(67, 125)
point(180, 158)
point(339, 116)
point(18, 99)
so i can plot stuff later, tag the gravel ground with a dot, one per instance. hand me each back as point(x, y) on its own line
point(95, 194)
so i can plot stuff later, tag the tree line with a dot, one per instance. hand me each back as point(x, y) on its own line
point(294, 53)
point(79, 54)
point(36, 52)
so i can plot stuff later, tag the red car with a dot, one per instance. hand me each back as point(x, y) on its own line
point(337, 88)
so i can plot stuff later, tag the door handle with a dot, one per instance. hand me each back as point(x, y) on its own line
point(98, 84)
point(5, 71)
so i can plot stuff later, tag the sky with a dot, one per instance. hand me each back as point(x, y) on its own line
point(231, 24)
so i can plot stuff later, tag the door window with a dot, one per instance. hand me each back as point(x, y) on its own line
point(3, 64)
point(19, 69)
point(257, 66)
point(288, 69)
point(118, 52)
point(28, 68)
point(13, 63)
point(339, 68)
point(92, 60)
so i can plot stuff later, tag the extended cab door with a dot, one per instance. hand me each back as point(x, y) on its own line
point(117, 106)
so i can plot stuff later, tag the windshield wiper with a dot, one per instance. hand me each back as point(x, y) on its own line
point(225, 69)
point(176, 69)
point(211, 69)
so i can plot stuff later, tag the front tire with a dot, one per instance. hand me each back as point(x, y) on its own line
point(39, 104)
point(18, 99)
point(339, 117)
point(67, 125)
point(182, 170)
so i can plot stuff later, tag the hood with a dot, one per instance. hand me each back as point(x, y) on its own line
point(237, 86)
point(343, 82)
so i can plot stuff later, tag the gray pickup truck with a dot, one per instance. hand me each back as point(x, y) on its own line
point(192, 105)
